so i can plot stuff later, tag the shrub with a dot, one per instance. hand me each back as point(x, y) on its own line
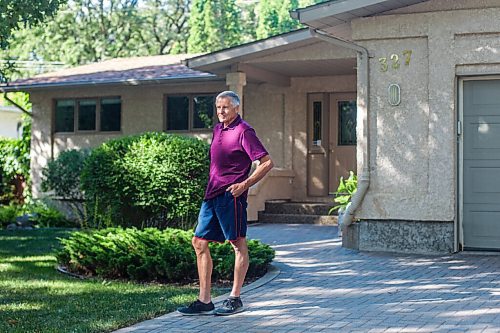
point(8, 214)
point(344, 192)
point(62, 176)
point(46, 216)
point(153, 179)
point(151, 255)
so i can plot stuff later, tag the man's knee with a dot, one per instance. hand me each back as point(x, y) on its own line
point(240, 246)
point(199, 245)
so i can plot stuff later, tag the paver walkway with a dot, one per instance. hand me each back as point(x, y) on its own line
point(322, 287)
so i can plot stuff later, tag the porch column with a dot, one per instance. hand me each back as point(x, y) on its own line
point(235, 82)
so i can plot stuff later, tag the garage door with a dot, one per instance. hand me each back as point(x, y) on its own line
point(481, 164)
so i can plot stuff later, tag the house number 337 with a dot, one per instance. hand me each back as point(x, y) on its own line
point(394, 61)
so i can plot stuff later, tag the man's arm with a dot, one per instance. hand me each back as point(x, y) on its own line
point(265, 165)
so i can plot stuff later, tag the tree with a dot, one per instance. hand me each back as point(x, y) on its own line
point(214, 25)
point(274, 17)
point(164, 28)
point(15, 14)
point(87, 31)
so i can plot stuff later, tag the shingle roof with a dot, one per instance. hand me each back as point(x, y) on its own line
point(132, 71)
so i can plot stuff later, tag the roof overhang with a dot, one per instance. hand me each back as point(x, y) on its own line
point(327, 15)
point(87, 83)
point(243, 52)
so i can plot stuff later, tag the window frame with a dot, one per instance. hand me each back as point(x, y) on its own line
point(191, 97)
point(76, 114)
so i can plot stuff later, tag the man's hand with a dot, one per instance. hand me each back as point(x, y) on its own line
point(265, 165)
point(237, 189)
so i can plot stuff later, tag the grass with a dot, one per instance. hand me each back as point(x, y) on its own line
point(34, 297)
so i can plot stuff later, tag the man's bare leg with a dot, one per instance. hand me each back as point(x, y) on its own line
point(240, 265)
point(205, 266)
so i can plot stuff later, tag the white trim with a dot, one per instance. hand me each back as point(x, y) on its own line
point(332, 8)
point(460, 159)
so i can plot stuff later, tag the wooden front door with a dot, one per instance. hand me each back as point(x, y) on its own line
point(331, 147)
point(342, 154)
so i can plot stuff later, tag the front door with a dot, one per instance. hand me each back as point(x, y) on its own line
point(342, 155)
point(481, 164)
point(331, 141)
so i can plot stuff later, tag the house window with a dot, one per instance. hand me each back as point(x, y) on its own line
point(65, 116)
point(347, 123)
point(86, 115)
point(92, 114)
point(111, 110)
point(190, 112)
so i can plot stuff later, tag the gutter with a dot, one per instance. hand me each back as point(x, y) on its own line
point(363, 106)
point(127, 82)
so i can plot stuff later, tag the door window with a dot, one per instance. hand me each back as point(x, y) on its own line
point(347, 123)
point(317, 123)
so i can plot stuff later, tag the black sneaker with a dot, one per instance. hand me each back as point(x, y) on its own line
point(197, 308)
point(230, 306)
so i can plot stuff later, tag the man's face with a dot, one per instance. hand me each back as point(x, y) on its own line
point(226, 112)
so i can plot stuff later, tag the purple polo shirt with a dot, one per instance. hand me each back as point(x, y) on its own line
point(231, 154)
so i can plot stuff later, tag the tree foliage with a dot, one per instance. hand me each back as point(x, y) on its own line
point(17, 14)
point(274, 17)
point(87, 31)
point(214, 25)
point(23, 13)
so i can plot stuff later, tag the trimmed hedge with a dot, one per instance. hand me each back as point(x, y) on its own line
point(151, 255)
point(149, 180)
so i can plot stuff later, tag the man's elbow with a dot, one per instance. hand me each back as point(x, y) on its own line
point(270, 164)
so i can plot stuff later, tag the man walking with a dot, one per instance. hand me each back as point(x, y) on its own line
point(223, 213)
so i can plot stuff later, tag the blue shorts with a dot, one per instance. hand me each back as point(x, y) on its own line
point(222, 218)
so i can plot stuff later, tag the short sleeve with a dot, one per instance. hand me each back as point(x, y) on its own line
point(252, 145)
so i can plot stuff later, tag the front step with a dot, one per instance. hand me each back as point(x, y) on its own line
point(282, 211)
point(302, 208)
point(298, 218)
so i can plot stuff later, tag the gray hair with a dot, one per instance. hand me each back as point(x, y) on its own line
point(235, 99)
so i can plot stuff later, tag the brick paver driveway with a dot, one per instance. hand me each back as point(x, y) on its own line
point(323, 287)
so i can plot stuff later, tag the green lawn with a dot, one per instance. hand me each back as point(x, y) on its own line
point(34, 297)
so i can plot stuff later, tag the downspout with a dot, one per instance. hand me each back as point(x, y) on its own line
point(363, 107)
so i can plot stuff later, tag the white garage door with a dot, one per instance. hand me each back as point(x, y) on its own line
point(481, 164)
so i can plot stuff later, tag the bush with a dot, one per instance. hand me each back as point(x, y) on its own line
point(8, 214)
point(41, 215)
point(344, 193)
point(62, 176)
point(153, 179)
point(15, 166)
point(151, 255)
point(46, 216)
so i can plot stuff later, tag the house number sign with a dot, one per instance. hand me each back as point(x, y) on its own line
point(394, 61)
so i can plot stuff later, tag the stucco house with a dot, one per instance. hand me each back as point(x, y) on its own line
point(403, 92)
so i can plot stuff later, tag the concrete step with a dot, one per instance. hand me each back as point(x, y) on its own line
point(303, 208)
point(265, 217)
